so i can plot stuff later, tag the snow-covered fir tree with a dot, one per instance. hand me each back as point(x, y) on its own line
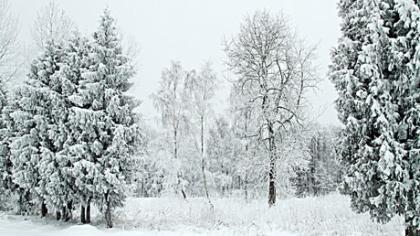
point(66, 129)
point(375, 68)
point(32, 149)
point(6, 183)
point(107, 114)
point(57, 163)
point(73, 128)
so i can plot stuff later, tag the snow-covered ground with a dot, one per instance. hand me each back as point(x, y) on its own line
point(329, 215)
point(21, 226)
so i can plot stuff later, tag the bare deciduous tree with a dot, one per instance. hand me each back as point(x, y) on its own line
point(52, 23)
point(8, 32)
point(274, 69)
point(202, 87)
point(8, 35)
point(170, 102)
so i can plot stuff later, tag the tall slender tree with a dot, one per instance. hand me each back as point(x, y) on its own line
point(202, 89)
point(170, 101)
point(69, 129)
point(115, 134)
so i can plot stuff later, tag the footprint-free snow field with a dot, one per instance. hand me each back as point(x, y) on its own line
point(329, 215)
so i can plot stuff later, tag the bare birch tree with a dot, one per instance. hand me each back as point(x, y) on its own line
point(170, 101)
point(202, 89)
point(273, 69)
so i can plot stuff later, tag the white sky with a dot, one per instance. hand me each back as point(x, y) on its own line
point(192, 31)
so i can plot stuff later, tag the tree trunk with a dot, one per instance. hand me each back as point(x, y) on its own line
point(272, 169)
point(69, 211)
point(271, 184)
point(82, 214)
point(108, 217)
point(88, 213)
point(203, 163)
point(246, 187)
point(184, 195)
point(205, 183)
point(44, 210)
point(21, 202)
point(64, 213)
point(57, 215)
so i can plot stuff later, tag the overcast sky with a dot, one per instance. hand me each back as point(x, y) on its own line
point(192, 31)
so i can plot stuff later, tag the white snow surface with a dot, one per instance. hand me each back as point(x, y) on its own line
point(329, 215)
point(20, 226)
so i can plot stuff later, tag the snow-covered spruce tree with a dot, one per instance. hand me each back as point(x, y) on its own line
point(56, 184)
point(375, 69)
point(62, 193)
point(57, 162)
point(6, 183)
point(113, 135)
point(31, 118)
point(273, 69)
point(80, 124)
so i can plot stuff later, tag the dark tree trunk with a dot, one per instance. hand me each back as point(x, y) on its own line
point(69, 211)
point(108, 216)
point(44, 210)
point(88, 213)
point(271, 184)
point(20, 202)
point(64, 213)
point(272, 158)
point(82, 214)
point(272, 169)
point(247, 155)
point(184, 195)
point(57, 215)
